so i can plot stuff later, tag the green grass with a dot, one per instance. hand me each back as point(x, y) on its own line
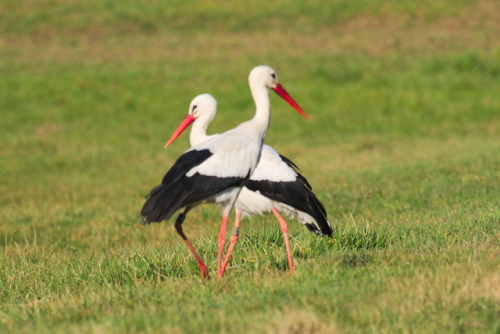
point(402, 148)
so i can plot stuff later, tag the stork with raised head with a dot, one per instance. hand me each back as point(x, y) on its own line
point(275, 185)
point(216, 169)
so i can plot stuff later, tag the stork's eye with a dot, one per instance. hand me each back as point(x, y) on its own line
point(273, 75)
point(194, 107)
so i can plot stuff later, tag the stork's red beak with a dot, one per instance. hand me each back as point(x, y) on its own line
point(184, 124)
point(285, 96)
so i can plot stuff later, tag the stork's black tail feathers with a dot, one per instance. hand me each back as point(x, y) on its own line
point(178, 190)
point(298, 195)
point(318, 212)
point(165, 199)
point(159, 206)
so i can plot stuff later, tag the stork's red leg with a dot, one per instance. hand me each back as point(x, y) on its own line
point(234, 239)
point(222, 233)
point(222, 240)
point(284, 229)
point(178, 228)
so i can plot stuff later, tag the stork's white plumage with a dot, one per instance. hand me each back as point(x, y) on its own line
point(217, 168)
point(274, 186)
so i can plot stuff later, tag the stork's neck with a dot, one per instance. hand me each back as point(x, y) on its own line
point(198, 132)
point(262, 117)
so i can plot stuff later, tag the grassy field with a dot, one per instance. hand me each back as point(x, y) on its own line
point(402, 147)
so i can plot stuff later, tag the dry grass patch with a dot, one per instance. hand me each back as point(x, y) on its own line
point(358, 156)
point(475, 26)
point(456, 286)
point(292, 321)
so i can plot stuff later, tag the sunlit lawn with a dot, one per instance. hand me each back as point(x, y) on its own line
point(402, 147)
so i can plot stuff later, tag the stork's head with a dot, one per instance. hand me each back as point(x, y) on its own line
point(203, 106)
point(264, 75)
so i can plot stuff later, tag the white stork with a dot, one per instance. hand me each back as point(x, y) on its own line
point(216, 169)
point(275, 185)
